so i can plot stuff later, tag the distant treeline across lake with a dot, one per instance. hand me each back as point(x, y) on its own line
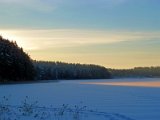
point(136, 72)
point(16, 65)
point(59, 70)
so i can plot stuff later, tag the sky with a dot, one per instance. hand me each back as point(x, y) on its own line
point(112, 33)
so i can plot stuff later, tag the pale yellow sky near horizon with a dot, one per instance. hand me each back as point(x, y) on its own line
point(112, 49)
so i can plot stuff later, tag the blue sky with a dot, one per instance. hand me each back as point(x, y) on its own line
point(88, 14)
point(113, 33)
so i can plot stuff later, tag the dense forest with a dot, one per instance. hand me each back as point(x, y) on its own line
point(136, 72)
point(16, 65)
point(59, 70)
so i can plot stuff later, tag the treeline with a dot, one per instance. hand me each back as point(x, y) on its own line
point(136, 72)
point(60, 70)
point(16, 65)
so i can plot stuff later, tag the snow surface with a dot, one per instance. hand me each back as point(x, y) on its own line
point(118, 102)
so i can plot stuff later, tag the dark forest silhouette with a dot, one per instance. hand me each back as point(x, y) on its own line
point(136, 72)
point(59, 70)
point(16, 65)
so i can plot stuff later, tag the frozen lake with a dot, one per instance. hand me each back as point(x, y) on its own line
point(140, 101)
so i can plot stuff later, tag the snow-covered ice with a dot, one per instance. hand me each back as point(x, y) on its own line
point(120, 102)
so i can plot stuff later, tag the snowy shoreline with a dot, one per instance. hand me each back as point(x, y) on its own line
point(75, 80)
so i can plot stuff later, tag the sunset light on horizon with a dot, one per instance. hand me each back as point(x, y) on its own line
point(111, 33)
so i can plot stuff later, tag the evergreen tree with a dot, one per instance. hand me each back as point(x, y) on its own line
point(59, 70)
point(15, 64)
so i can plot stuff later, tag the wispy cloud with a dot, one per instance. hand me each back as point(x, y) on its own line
point(45, 39)
point(117, 49)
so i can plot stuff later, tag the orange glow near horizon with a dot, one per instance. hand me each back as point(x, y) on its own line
point(134, 84)
point(112, 49)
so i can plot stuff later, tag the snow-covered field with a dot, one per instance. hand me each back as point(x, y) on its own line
point(107, 102)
